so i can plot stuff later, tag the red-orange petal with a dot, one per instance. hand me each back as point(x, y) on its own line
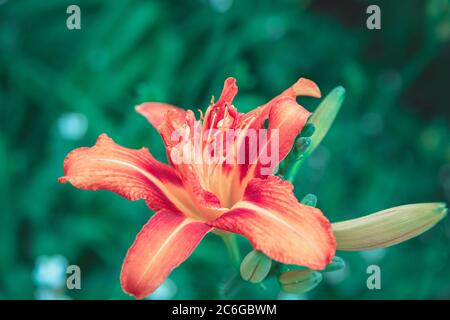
point(164, 242)
point(216, 112)
point(133, 174)
point(303, 87)
point(288, 118)
point(167, 119)
point(283, 114)
point(278, 225)
point(156, 112)
point(229, 91)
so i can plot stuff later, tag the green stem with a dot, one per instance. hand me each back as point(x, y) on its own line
point(233, 249)
point(292, 174)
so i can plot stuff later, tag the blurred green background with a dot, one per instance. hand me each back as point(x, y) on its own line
point(60, 89)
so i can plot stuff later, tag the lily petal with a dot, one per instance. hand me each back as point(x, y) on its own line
point(155, 112)
point(171, 121)
point(278, 225)
point(286, 118)
point(166, 119)
point(216, 112)
point(289, 117)
point(133, 174)
point(303, 87)
point(164, 242)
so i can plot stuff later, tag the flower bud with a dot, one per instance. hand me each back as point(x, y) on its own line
point(309, 200)
point(299, 281)
point(255, 267)
point(323, 117)
point(302, 145)
point(336, 263)
point(321, 120)
point(308, 130)
point(387, 227)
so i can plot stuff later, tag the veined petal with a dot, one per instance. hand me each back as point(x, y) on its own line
point(289, 118)
point(155, 112)
point(167, 120)
point(278, 225)
point(133, 174)
point(286, 118)
point(176, 127)
point(164, 242)
point(229, 91)
point(303, 87)
point(208, 204)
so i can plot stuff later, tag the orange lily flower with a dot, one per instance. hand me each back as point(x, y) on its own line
point(192, 198)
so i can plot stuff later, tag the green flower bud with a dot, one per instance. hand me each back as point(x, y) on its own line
point(299, 281)
point(309, 200)
point(302, 145)
point(308, 130)
point(323, 117)
point(335, 264)
point(255, 267)
point(387, 227)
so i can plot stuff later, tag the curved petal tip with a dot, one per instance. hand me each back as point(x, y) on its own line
point(306, 87)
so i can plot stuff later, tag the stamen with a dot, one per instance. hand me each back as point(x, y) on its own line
point(212, 125)
point(226, 120)
point(247, 121)
point(225, 113)
point(202, 118)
